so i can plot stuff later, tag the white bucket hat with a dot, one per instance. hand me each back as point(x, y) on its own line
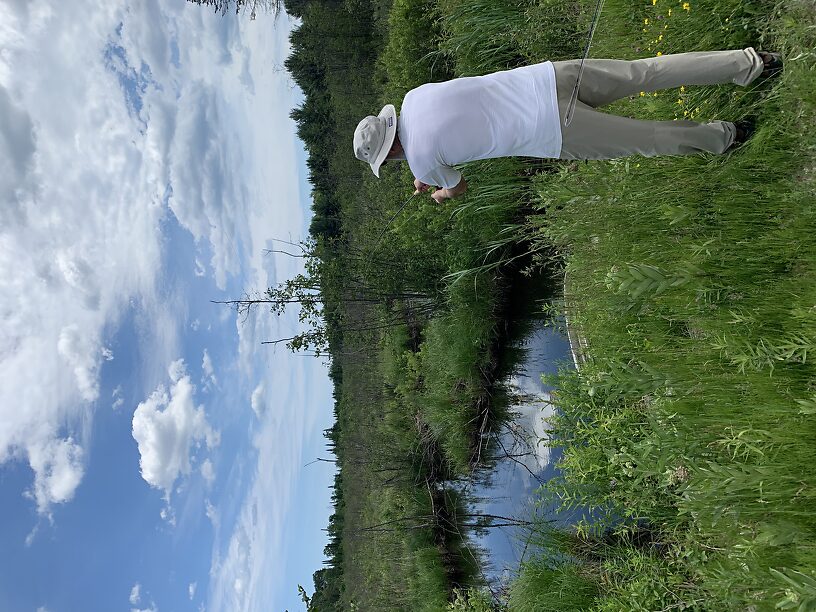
point(374, 136)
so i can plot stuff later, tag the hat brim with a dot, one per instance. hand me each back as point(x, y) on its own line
point(388, 112)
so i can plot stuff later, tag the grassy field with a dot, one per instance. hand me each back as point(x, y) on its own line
point(689, 433)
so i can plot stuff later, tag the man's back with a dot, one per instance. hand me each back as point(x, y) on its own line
point(507, 113)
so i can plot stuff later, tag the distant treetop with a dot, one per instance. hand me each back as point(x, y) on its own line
point(252, 6)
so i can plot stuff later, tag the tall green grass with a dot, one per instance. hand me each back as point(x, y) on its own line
point(695, 285)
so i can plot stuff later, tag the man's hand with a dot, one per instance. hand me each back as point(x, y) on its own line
point(449, 192)
point(420, 187)
point(441, 194)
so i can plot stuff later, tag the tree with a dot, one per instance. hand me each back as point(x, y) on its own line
point(242, 6)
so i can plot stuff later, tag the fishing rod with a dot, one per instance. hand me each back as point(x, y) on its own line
point(574, 97)
point(395, 215)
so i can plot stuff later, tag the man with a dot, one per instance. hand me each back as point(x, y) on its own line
point(521, 112)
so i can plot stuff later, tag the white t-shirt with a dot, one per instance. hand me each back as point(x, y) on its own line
point(514, 112)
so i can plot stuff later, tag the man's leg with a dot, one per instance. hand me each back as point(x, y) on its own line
point(597, 135)
point(605, 81)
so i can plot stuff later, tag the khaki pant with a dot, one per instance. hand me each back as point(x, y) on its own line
point(597, 135)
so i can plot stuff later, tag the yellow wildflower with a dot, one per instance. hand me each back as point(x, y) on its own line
point(659, 53)
point(680, 101)
point(659, 38)
point(642, 93)
point(686, 6)
point(669, 12)
point(646, 21)
point(654, 2)
point(682, 88)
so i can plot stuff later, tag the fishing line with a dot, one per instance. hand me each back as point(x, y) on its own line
point(395, 215)
point(574, 97)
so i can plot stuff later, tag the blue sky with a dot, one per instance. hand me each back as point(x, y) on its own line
point(152, 451)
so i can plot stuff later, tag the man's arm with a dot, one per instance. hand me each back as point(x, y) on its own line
point(450, 192)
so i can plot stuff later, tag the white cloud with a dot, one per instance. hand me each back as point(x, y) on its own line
point(29, 540)
point(246, 576)
point(208, 472)
point(58, 469)
point(200, 270)
point(166, 426)
point(191, 590)
point(168, 515)
point(208, 380)
point(116, 396)
point(98, 154)
point(176, 370)
point(135, 594)
point(257, 401)
point(79, 219)
point(80, 354)
point(212, 514)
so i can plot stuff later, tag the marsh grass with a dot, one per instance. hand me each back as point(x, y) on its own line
point(696, 284)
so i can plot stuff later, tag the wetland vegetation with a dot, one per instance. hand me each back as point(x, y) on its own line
point(687, 436)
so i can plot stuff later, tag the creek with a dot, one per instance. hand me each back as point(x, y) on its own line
point(521, 461)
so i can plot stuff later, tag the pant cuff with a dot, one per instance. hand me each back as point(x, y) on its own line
point(757, 66)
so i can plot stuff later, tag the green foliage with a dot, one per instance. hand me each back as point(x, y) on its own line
point(472, 600)
point(408, 59)
point(693, 280)
point(483, 36)
point(543, 586)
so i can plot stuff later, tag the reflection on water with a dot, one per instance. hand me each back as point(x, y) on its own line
point(524, 462)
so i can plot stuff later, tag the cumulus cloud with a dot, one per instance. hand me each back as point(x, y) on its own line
point(191, 590)
point(58, 469)
point(135, 594)
point(17, 147)
point(176, 370)
point(79, 214)
point(80, 355)
point(167, 427)
point(156, 116)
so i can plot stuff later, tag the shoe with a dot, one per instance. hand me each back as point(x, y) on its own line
point(773, 63)
point(744, 130)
